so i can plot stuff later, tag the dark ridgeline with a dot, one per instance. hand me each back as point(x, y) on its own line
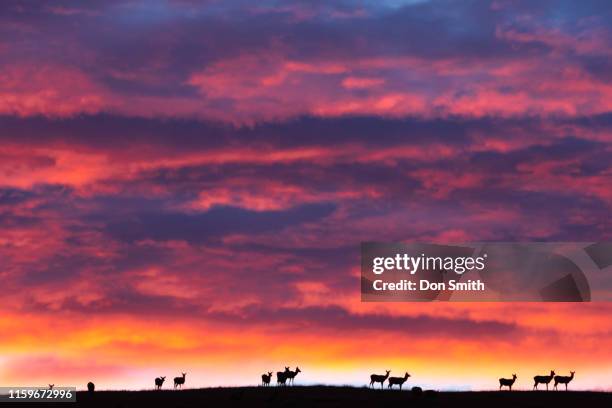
point(560, 379)
point(507, 382)
point(398, 380)
point(159, 381)
point(179, 381)
point(334, 397)
point(265, 379)
point(374, 378)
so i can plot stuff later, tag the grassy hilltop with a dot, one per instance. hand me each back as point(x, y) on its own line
point(335, 397)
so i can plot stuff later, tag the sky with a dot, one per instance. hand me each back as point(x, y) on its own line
point(184, 186)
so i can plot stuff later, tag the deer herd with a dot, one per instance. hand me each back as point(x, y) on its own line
point(282, 377)
point(503, 382)
point(540, 379)
point(287, 377)
point(376, 378)
point(178, 381)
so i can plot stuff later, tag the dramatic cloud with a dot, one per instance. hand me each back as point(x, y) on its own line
point(241, 62)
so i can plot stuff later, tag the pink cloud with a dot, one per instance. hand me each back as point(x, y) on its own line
point(361, 82)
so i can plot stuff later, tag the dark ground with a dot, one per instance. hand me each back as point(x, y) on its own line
point(330, 397)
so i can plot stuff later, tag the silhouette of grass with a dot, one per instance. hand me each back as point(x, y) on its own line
point(335, 397)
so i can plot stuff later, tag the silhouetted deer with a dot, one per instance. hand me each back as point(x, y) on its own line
point(281, 377)
point(265, 379)
point(374, 378)
point(159, 381)
point(179, 381)
point(543, 379)
point(398, 381)
point(51, 386)
point(291, 374)
point(91, 387)
point(560, 379)
point(507, 382)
